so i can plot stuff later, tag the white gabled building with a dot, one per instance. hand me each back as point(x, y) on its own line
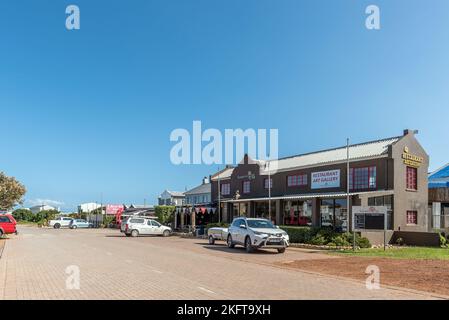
point(43, 207)
point(171, 198)
point(88, 207)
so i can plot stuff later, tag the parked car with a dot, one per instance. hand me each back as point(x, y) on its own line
point(255, 233)
point(7, 224)
point(60, 222)
point(135, 226)
point(79, 223)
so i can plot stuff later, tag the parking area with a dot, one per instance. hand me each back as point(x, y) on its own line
point(39, 264)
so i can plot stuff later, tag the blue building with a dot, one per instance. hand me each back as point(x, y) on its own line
point(439, 198)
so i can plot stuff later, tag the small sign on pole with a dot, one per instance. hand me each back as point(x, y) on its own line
point(374, 218)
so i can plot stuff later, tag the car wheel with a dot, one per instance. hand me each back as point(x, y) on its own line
point(166, 233)
point(1, 233)
point(134, 233)
point(74, 227)
point(57, 226)
point(230, 243)
point(211, 240)
point(281, 250)
point(248, 246)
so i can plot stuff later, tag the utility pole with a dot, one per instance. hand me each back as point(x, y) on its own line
point(348, 199)
point(269, 190)
point(219, 197)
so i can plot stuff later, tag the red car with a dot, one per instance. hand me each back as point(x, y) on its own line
point(7, 224)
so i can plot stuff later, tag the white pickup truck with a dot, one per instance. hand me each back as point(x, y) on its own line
point(60, 222)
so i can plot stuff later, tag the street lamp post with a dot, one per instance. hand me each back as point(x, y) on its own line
point(219, 197)
point(267, 167)
point(348, 197)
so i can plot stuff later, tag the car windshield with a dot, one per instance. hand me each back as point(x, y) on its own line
point(260, 224)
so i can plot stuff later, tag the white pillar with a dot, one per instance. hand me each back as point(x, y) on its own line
point(436, 215)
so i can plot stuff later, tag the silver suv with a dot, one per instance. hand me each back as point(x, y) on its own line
point(256, 233)
point(136, 226)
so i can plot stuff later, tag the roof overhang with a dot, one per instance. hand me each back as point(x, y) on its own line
point(313, 196)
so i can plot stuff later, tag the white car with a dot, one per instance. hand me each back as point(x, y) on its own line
point(60, 222)
point(257, 233)
point(135, 226)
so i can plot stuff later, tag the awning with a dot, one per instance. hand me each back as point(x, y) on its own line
point(313, 195)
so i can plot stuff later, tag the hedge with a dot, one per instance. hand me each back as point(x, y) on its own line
point(217, 225)
point(323, 236)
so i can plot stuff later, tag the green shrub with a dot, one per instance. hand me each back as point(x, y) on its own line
point(165, 214)
point(400, 241)
point(443, 241)
point(107, 220)
point(340, 241)
point(319, 240)
point(217, 225)
point(22, 215)
point(363, 242)
point(324, 236)
point(300, 234)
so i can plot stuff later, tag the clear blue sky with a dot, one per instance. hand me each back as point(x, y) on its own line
point(89, 112)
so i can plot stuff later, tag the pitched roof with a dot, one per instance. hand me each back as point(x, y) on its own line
point(442, 172)
point(223, 174)
point(176, 193)
point(356, 152)
point(359, 151)
point(439, 178)
point(202, 188)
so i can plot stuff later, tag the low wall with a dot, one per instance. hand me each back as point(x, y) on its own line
point(428, 239)
point(377, 237)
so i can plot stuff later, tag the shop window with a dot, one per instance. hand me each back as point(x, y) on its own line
point(262, 210)
point(362, 178)
point(412, 178)
point(268, 183)
point(297, 180)
point(246, 186)
point(412, 217)
point(226, 189)
point(297, 213)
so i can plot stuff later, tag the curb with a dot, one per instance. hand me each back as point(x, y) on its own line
point(383, 286)
point(2, 248)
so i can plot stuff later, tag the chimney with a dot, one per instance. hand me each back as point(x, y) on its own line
point(205, 180)
point(410, 131)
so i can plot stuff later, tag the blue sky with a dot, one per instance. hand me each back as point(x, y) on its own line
point(87, 114)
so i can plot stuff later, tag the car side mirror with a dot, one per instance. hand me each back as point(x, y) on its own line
point(242, 226)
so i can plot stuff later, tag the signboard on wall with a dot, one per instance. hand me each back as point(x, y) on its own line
point(411, 159)
point(326, 179)
point(114, 208)
point(369, 218)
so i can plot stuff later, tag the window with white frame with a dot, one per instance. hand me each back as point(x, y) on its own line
point(268, 183)
point(297, 180)
point(363, 178)
point(226, 189)
point(246, 186)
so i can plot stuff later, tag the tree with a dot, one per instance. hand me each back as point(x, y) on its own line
point(22, 215)
point(164, 213)
point(45, 216)
point(11, 192)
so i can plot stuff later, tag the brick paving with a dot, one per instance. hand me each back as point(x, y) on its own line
point(33, 266)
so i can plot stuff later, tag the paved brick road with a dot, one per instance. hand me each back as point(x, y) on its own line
point(111, 266)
